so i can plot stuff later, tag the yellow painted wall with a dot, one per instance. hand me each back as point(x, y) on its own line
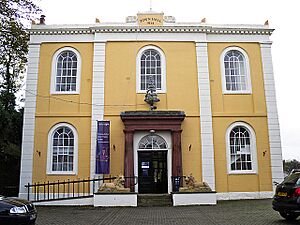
point(182, 94)
point(57, 108)
point(238, 104)
point(53, 105)
point(191, 157)
point(248, 108)
point(242, 183)
point(43, 125)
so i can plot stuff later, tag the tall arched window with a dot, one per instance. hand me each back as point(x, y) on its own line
point(241, 148)
point(235, 71)
point(151, 65)
point(62, 151)
point(66, 71)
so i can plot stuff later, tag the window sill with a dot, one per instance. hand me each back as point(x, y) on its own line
point(241, 172)
point(237, 93)
point(61, 173)
point(65, 93)
point(145, 91)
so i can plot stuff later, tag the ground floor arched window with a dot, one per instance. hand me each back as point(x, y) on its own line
point(241, 148)
point(62, 150)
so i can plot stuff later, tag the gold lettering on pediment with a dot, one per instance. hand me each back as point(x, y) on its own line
point(150, 19)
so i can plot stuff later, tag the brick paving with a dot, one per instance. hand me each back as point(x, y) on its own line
point(225, 213)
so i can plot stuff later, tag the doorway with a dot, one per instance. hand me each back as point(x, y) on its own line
point(152, 172)
point(154, 149)
point(167, 125)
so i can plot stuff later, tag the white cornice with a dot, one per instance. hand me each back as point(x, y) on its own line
point(133, 28)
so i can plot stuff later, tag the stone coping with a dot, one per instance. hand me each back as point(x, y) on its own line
point(157, 113)
point(115, 193)
point(208, 192)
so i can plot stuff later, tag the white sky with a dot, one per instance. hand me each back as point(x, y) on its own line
point(284, 16)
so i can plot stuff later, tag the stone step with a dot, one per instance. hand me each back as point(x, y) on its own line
point(149, 200)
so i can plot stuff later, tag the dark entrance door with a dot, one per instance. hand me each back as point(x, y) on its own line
point(153, 174)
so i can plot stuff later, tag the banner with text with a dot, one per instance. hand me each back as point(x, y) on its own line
point(103, 147)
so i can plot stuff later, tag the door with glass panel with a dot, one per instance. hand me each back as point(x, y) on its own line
point(152, 165)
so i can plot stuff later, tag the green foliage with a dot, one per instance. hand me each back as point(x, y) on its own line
point(289, 165)
point(13, 46)
point(14, 15)
point(13, 58)
point(18, 9)
point(10, 149)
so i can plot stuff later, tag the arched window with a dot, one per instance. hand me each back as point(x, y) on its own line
point(235, 71)
point(152, 142)
point(62, 152)
point(241, 148)
point(66, 71)
point(151, 65)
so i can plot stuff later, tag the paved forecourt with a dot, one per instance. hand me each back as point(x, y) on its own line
point(224, 213)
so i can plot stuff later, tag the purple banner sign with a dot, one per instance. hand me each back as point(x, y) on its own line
point(103, 147)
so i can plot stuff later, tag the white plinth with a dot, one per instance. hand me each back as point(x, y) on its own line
point(115, 199)
point(194, 198)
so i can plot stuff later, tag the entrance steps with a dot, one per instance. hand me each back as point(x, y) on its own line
point(149, 200)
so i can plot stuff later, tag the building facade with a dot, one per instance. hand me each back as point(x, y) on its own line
point(216, 118)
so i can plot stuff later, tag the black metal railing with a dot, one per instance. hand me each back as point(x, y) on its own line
point(177, 182)
point(69, 189)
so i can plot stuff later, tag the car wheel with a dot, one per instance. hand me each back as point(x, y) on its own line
point(289, 215)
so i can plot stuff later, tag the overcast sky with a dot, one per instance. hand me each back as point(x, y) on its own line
point(283, 16)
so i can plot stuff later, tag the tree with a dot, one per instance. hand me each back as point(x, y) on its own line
point(10, 150)
point(13, 58)
point(15, 15)
point(289, 165)
point(18, 9)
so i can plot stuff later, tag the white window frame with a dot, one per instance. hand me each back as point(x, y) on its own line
point(163, 69)
point(247, 70)
point(152, 141)
point(253, 149)
point(54, 69)
point(50, 150)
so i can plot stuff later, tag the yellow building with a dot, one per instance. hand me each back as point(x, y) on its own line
point(216, 118)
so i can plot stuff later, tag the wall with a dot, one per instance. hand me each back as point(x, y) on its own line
point(182, 94)
point(248, 108)
point(57, 108)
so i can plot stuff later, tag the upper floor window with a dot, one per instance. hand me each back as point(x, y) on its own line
point(62, 151)
point(151, 65)
point(235, 71)
point(66, 67)
point(241, 148)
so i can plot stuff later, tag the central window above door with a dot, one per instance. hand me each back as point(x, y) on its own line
point(152, 141)
point(151, 63)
